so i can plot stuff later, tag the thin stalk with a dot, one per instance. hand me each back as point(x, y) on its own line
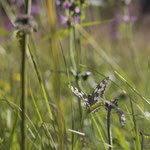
point(41, 83)
point(133, 117)
point(148, 78)
point(23, 43)
point(71, 47)
point(131, 87)
point(77, 49)
point(23, 92)
point(56, 80)
point(99, 131)
point(79, 101)
point(65, 63)
point(72, 126)
point(142, 143)
point(42, 122)
point(109, 128)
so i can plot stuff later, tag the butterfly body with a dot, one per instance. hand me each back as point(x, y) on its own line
point(91, 99)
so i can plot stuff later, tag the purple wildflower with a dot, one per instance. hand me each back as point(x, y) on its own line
point(63, 19)
point(65, 5)
point(77, 19)
point(127, 2)
point(70, 4)
point(35, 10)
point(127, 18)
point(77, 10)
point(19, 3)
point(58, 2)
point(71, 8)
point(114, 28)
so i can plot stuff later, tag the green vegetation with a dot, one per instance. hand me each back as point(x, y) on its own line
point(80, 54)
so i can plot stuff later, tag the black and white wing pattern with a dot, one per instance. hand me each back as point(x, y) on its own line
point(81, 95)
point(100, 89)
point(97, 96)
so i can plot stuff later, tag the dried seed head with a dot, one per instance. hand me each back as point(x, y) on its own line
point(25, 24)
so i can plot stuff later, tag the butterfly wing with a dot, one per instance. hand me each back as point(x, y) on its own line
point(100, 89)
point(81, 95)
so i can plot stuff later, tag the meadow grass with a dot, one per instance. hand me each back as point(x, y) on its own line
point(52, 117)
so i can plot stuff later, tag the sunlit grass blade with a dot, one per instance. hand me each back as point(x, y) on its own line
point(65, 62)
point(131, 125)
point(72, 47)
point(87, 24)
point(50, 136)
point(136, 132)
point(41, 83)
point(141, 109)
point(37, 110)
point(131, 87)
point(133, 117)
point(77, 132)
point(121, 137)
point(41, 120)
point(99, 132)
point(51, 13)
point(17, 109)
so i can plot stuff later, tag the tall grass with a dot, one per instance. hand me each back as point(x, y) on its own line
point(23, 45)
point(56, 78)
point(53, 118)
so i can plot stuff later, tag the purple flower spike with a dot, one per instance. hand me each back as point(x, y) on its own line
point(70, 3)
point(63, 19)
point(65, 5)
point(127, 2)
point(77, 10)
point(19, 3)
point(58, 2)
point(77, 19)
point(72, 9)
point(12, 1)
point(35, 10)
point(127, 18)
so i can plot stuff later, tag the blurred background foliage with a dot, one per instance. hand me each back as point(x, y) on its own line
point(98, 36)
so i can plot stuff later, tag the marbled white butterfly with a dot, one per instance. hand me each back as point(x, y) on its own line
point(91, 99)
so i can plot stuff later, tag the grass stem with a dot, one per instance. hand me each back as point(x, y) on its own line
point(56, 64)
point(109, 128)
point(23, 43)
point(23, 93)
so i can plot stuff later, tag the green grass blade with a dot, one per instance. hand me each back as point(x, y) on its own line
point(130, 86)
point(99, 131)
point(41, 83)
point(37, 110)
